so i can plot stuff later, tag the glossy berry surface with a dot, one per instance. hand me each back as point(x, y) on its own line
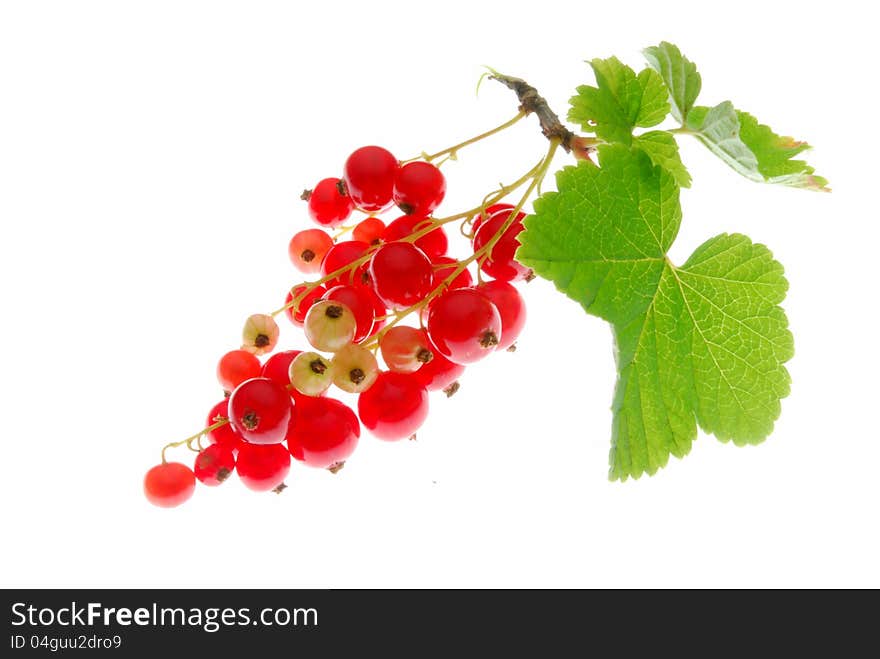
point(263, 468)
point(369, 231)
point(297, 314)
point(394, 407)
point(214, 465)
point(500, 263)
point(235, 367)
point(464, 325)
point(433, 244)
point(489, 212)
point(361, 301)
point(369, 177)
point(307, 250)
point(259, 410)
point(401, 274)
point(511, 307)
point(419, 187)
point(405, 349)
point(327, 205)
point(169, 484)
point(448, 265)
point(324, 432)
point(341, 255)
point(439, 373)
point(226, 434)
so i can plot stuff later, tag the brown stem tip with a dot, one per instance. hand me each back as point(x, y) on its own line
point(280, 488)
point(261, 341)
point(334, 311)
point(451, 389)
point(489, 339)
point(306, 195)
point(531, 102)
point(424, 355)
point(318, 366)
point(336, 466)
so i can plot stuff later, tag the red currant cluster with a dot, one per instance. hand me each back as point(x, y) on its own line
point(368, 286)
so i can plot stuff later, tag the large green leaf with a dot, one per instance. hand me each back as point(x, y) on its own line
point(700, 344)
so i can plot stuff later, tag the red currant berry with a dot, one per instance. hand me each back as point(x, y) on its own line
point(434, 243)
point(394, 407)
point(369, 231)
point(419, 187)
point(500, 263)
point(511, 307)
point(360, 300)
point(308, 248)
point(405, 349)
point(297, 314)
point(169, 484)
point(439, 373)
point(342, 255)
point(263, 468)
point(369, 177)
point(401, 274)
point(259, 409)
point(277, 368)
point(235, 367)
point(324, 432)
point(489, 212)
point(328, 205)
point(214, 465)
point(448, 265)
point(225, 435)
point(464, 325)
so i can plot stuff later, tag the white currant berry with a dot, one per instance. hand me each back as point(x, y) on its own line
point(355, 368)
point(260, 334)
point(329, 325)
point(310, 373)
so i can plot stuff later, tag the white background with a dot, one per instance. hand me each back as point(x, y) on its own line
point(151, 158)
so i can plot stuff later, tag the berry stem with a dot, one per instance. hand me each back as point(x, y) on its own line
point(453, 150)
point(194, 438)
point(537, 175)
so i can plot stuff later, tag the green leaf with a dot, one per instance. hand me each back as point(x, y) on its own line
point(700, 344)
point(679, 74)
point(621, 101)
point(753, 149)
point(662, 149)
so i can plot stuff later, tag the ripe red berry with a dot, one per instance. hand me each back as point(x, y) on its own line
point(169, 484)
point(323, 433)
point(464, 325)
point(369, 177)
point(511, 307)
point(328, 206)
point(260, 409)
point(439, 373)
point(405, 349)
point(369, 231)
point(462, 279)
point(394, 407)
point(214, 465)
point(401, 274)
point(433, 244)
point(308, 248)
point(224, 435)
point(419, 187)
point(500, 263)
point(489, 212)
point(297, 314)
point(341, 255)
point(263, 468)
point(360, 300)
point(235, 367)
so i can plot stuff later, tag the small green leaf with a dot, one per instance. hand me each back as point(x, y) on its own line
point(753, 149)
point(662, 149)
point(621, 101)
point(702, 344)
point(679, 74)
